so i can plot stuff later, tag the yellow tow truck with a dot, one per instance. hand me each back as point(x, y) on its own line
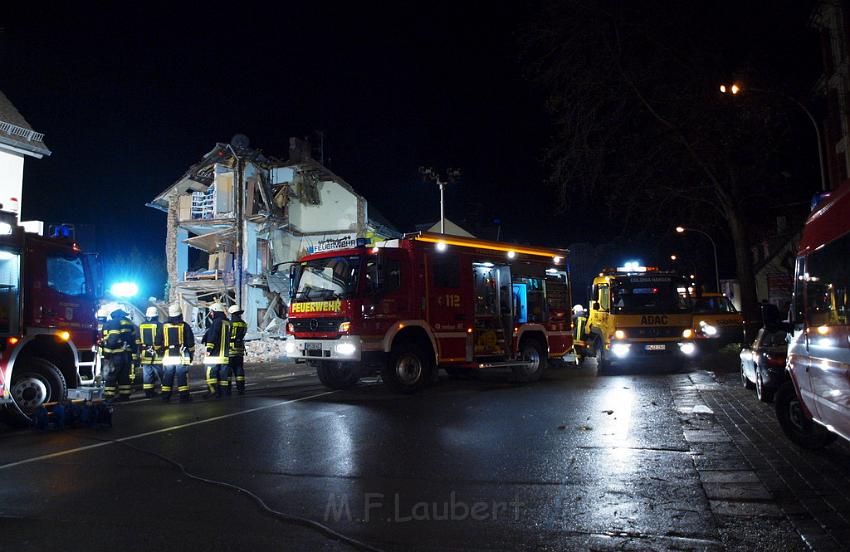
point(716, 321)
point(637, 314)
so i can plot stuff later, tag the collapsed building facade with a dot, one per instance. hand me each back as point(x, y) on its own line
point(238, 219)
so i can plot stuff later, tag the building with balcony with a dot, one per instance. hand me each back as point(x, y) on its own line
point(17, 141)
point(238, 219)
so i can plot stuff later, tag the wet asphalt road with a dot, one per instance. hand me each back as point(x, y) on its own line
point(571, 463)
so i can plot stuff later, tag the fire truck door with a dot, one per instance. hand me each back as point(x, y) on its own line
point(449, 304)
point(388, 290)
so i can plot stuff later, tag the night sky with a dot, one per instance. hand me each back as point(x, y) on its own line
point(129, 96)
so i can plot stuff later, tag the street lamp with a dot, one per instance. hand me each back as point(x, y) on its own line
point(431, 175)
point(735, 88)
point(673, 257)
point(682, 230)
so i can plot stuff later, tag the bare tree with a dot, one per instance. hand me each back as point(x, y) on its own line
point(641, 127)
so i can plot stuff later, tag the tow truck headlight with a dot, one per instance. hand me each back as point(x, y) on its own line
point(619, 334)
point(344, 327)
point(688, 333)
point(688, 348)
point(707, 328)
point(345, 348)
point(620, 350)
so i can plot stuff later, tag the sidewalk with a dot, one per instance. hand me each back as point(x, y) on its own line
point(753, 475)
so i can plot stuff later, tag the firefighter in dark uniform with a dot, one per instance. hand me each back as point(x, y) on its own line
point(238, 328)
point(178, 350)
point(151, 351)
point(121, 353)
point(217, 342)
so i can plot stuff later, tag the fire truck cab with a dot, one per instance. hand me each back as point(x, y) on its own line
point(638, 313)
point(48, 329)
point(407, 307)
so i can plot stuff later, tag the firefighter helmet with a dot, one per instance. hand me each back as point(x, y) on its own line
point(151, 312)
point(175, 310)
point(234, 309)
point(217, 307)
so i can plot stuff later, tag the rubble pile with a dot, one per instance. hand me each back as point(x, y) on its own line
point(265, 350)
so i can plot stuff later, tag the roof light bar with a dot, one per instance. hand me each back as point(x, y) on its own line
point(459, 241)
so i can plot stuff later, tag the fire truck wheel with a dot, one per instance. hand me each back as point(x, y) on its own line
point(35, 381)
point(408, 368)
point(337, 375)
point(535, 354)
point(794, 422)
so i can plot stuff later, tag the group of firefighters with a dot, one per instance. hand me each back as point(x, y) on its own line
point(165, 350)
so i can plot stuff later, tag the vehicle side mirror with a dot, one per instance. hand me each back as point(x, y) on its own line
point(293, 281)
point(595, 306)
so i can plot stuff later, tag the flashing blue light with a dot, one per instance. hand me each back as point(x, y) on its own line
point(124, 289)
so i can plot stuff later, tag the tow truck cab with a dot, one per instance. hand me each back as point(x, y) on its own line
point(407, 307)
point(48, 291)
point(636, 314)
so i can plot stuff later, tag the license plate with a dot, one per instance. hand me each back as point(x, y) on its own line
point(656, 347)
point(313, 346)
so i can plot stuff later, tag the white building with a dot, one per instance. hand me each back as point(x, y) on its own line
point(238, 219)
point(17, 141)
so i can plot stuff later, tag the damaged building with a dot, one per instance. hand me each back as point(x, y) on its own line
point(238, 219)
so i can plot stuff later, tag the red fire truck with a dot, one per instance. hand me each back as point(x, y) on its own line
point(47, 320)
point(426, 301)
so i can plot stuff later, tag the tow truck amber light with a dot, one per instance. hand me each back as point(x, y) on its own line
point(688, 333)
point(619, 334)
point(64, 335)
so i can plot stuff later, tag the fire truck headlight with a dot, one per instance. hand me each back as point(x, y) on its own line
point(619, 334)
point(707, 328)
point(345, 348)
point(290, 347)
point(290, 328)
point(620, 350)
point(688, 333)
point(688, 348)
point(344, 327)
point(64, 335)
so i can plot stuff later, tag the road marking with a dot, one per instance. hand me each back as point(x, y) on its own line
point(158, 431)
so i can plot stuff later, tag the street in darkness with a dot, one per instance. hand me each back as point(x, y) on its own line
point(574, 462)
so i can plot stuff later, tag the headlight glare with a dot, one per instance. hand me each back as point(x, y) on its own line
point(619, 334)
point(345, 348)
point(688, 333)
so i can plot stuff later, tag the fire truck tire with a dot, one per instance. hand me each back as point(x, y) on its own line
point(794, 423)
point(35, 381)
point(337, 375)
point(408, 368)
point(531, 351)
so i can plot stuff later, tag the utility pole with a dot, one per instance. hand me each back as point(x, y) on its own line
point(429, 174)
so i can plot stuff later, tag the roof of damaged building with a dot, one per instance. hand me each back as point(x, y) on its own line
point(200, 175)
point(17, 134)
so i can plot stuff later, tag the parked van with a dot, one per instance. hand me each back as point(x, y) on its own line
point(813, 406)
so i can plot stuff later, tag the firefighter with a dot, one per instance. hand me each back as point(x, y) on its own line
point(217, 342)
point(178, 350)
point(238, 328)
point(121, 352)
point(151, 351)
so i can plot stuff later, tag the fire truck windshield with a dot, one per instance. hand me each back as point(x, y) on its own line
point(329, 278)
point(648, 295)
